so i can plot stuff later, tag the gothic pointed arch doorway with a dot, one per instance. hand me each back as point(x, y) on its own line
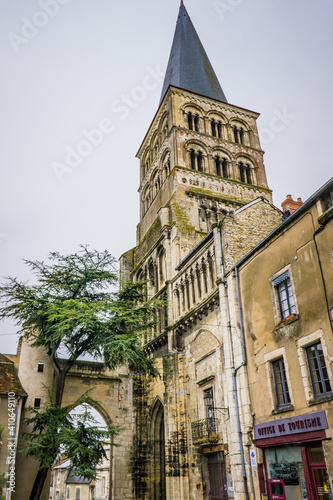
point(158, 484)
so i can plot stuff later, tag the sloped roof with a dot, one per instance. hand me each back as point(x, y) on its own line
point(73, 478)
point(189, 67)
point(9, 380)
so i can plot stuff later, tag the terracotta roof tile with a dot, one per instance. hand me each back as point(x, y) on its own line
point(9, 380)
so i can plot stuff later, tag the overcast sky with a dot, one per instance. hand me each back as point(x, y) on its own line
point(72, 66)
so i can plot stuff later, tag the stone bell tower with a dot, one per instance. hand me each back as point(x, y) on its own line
point(200, 161)
point(201, 155)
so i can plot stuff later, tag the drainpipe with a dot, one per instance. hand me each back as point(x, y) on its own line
point(8, 495)
point(110, 496)
point(234, 370)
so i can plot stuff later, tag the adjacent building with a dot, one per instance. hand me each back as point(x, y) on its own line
point(286, 290)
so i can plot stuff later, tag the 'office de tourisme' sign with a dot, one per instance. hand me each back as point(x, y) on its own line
point(294, 425)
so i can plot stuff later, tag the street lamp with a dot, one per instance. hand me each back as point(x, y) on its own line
point(209, 402)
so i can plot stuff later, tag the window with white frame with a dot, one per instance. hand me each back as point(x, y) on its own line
point(59, 475)
point(68, 493)
point(78, 493)
point(283, 295)
point(40, 367)
point(318, 371)
point(281, 384)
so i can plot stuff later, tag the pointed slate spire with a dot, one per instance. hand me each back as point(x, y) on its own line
point(189, 67)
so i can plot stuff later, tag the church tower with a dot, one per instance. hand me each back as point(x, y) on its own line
point(200, 159)
point(204, 203)
point(201, 156)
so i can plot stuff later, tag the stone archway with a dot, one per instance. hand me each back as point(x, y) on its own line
point(157, 436)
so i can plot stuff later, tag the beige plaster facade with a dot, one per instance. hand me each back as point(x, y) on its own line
point(297, 341)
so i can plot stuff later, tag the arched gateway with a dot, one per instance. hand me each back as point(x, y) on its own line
point(158, 488)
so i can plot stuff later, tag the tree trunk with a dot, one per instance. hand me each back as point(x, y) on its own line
point(60, 380)
point(38, 484)
point(37, 489)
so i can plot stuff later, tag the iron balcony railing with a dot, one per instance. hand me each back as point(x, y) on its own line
point(204, 429)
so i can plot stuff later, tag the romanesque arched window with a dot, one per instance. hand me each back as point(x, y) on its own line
point(236, 135)
point(152, 277)
point(193, 158)
point(213, 124)
point(196, 160)
point(219, 130)
point(196, 123)
point(190, 120)
point(218, 165)
point(200, 161)
point(221, 165)
point(245, 173)
point(241, 136)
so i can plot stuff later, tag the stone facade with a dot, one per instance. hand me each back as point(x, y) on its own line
point(188, 214)
point(111, 395)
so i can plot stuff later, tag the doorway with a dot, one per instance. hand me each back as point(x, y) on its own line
point(158, 489)
point(217, 476)
point(316, 472)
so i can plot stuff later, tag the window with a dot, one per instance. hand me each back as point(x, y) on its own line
point(283, 288)
point(59, 474)
point(281, 385)
point(219, 130)
point(40, 367)
point(78, 493)
point(196, 123)
point(57, 495)
point(221, 165)
point(37, 403)
point(236, 136)
point(208, 393)
point(192, 154)
point(200, 161)
point(193, 121)
point(68, 492)
point(190, 120)
point(196, 159)
point(213, 128)
point(209, 409)
point(318, 371)
point(245, 173)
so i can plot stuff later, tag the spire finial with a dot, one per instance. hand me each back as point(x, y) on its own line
point(181, 2)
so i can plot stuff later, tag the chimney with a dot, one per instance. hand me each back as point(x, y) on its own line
point(290, 205)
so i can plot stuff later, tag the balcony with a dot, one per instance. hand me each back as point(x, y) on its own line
point(206, 431)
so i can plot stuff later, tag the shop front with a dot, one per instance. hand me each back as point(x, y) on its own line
point(293, 465)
